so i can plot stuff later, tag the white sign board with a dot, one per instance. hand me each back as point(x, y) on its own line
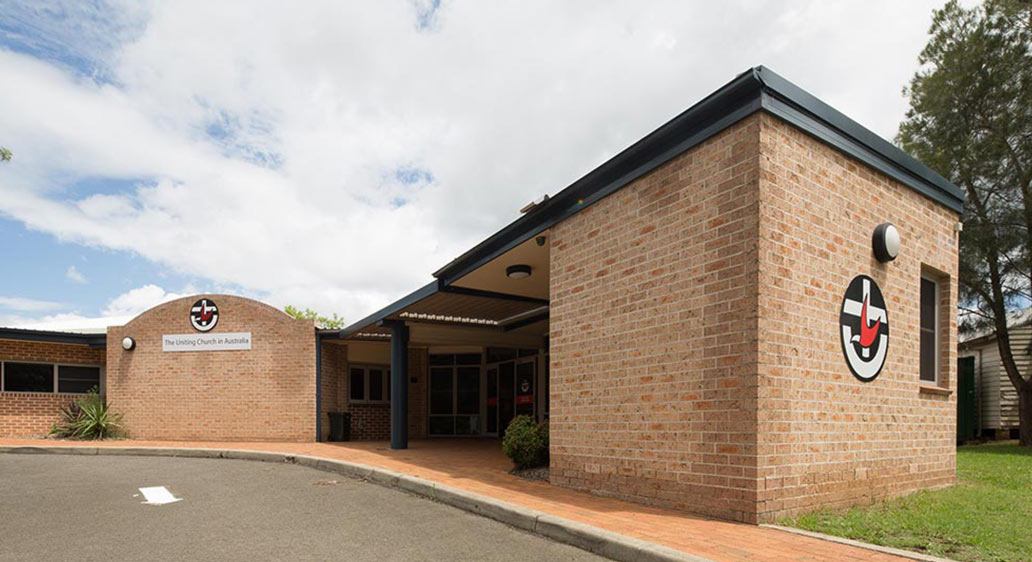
point(229, 341)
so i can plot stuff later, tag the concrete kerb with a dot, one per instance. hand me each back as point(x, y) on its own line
point(585, 537)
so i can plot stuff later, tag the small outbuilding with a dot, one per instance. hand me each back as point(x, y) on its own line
point(994, 410)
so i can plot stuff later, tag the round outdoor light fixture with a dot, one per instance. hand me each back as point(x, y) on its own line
point(518, 271)
point(886, 242)
point(128, 343)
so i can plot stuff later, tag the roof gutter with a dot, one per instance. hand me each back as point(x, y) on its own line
point(50, 336)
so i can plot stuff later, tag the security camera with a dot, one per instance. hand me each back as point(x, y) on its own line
point(541, 240)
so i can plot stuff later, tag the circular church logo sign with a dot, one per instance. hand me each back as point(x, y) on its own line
point(204, 315)
point(864, 323)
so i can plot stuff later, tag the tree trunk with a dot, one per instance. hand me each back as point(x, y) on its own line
point(1025, 414)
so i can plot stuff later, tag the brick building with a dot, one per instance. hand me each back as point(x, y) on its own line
point(705, 319)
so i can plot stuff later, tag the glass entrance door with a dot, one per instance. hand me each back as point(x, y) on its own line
point(454, 394)
point(510, 392)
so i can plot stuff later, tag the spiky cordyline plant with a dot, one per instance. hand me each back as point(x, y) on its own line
point(88, 417)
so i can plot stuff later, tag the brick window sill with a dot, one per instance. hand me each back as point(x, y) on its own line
point(929, 389)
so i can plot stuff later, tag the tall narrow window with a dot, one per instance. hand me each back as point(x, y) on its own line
point(929, 330)
point(358, 383)
point(376, 385)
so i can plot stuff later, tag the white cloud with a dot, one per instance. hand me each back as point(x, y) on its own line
point(19, 304)
point(118, 311)
point(265, 138)
point(136, 301)
point(75, 276)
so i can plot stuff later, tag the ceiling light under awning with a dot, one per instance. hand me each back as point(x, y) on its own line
point(518, 271)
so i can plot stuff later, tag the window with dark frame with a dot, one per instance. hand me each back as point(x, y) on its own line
point(376, 385)
point(929, 364)
point(369, 383)
point(454, 393)
point(357, 385)
point(28, 377)
point(77, 380)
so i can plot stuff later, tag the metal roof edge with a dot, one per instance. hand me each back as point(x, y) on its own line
point(915, 175)
point(53, 336)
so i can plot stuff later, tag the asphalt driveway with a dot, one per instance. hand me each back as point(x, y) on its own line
point(90, 508)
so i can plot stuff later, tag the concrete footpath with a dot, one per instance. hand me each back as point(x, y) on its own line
point(473, 477)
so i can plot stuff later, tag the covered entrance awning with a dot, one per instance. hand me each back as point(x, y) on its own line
point(447, 315)
point(500, 303)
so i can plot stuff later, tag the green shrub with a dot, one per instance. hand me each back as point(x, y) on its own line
point(526, 442)
point(88, 417)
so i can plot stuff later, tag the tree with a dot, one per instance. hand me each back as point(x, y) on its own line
point(970, 118)
point(330, 323)
point(5, 154)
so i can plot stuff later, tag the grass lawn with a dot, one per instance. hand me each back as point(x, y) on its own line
point(986, 516)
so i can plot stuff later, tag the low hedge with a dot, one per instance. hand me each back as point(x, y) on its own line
point(526, 442)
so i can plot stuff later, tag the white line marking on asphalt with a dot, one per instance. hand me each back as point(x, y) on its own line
point(158, 495)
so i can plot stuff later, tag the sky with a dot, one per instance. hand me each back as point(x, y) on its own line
point(331, 155)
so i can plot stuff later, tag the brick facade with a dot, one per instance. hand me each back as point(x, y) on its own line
point(825, 438)
point(31, 414)
point(264, 394)
point(653, 335)
point(695, 350)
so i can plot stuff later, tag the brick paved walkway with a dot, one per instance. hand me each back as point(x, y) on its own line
point(479, 466)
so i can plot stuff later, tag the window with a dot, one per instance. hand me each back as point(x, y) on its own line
point(79, 380)
point(357, 383)
point(369, 383)
point(929, 330)
point(28, 377)
point(376, 385)
point(47, 377)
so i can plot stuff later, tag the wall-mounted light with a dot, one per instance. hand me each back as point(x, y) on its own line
point(518, 271)
point(886, 242)
point(128, 343)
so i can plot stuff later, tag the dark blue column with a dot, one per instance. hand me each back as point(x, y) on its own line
point(399, 383)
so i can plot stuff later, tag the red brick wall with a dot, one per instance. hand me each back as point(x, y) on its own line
point(653, 335)
point(44, 352)
point(266, 393)
point(370, 422)
point(30, 414)
point(826, 438)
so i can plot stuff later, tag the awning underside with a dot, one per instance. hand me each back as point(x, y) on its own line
point(457, 310)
